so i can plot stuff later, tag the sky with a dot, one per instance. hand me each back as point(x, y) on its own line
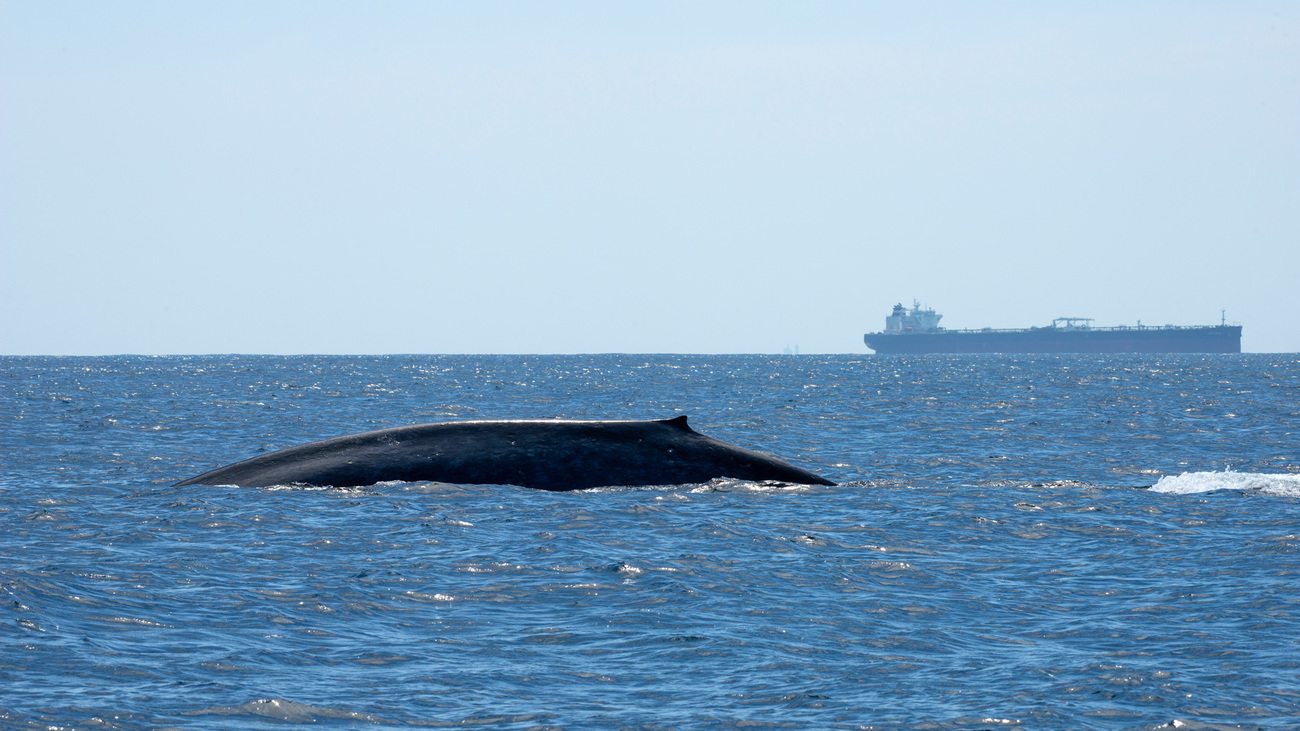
point(641, 177)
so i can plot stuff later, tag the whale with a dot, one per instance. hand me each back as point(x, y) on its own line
point(553, 454)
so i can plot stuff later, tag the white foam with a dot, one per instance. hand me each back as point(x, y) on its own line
point(1194, 482)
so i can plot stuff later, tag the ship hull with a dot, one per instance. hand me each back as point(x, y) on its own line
point(1214, 339)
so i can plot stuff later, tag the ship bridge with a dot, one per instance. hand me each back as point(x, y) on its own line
point(918, 319)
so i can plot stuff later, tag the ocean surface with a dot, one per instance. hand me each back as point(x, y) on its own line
point(1034, 542)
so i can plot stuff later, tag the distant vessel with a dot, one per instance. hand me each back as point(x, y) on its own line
point(917, 331)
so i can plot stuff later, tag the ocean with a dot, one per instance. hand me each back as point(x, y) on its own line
point(1015, 542)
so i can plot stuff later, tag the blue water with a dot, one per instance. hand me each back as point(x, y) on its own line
point(988, 561)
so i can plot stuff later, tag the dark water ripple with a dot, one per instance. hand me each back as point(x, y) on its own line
point(984, 567)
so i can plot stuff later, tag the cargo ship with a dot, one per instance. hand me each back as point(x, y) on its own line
point(917, 331)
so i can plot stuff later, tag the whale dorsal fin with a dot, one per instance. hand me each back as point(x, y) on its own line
point(679, 422)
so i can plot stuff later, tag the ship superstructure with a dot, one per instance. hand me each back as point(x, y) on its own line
point(919, 319)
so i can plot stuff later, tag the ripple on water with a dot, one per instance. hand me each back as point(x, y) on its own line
point(978, 569)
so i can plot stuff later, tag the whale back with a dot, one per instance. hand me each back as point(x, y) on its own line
point(545, 454)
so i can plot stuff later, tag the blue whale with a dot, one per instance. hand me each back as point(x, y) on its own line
point(546, 455)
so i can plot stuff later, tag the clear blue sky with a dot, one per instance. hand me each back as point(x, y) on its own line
point(523, 177)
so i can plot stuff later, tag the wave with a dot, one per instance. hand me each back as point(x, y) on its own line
point(1194, 482)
